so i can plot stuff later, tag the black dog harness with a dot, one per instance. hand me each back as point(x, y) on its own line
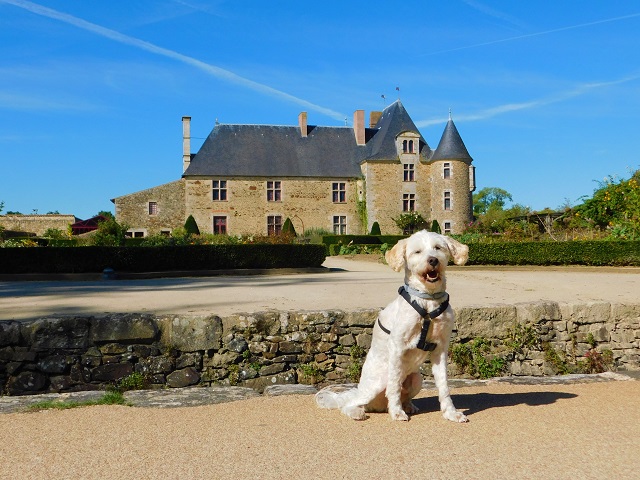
point(426, 319)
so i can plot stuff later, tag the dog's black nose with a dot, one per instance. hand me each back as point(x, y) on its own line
point(433, 261)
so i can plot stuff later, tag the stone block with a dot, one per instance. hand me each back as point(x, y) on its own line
point(56, 333)
point(488, 322)
point(189, 334)
point(361, 318)
point(111, 372)
point(26, 383)
point(9, 333)
point(585, 313)
point(534, 313)
point(183, 378)
point(124, 328)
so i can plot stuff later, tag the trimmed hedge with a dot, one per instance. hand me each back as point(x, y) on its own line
point(594, 253)
point(361, 239)
point(158, 259)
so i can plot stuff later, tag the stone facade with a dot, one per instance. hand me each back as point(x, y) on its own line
point(37, 224)
point(386, 170)
point(246, 209)
point(137, 210)
point(61, 354)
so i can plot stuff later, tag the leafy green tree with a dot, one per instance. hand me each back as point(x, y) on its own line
point(490, 198)
point(191, 226)
point(615, 205)
point(410, 222)
point(435, 227)
point(288, 228)
point(110, 234)
point(375, 229)
point(106, 214)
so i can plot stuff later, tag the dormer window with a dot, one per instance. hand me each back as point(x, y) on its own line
point(407, 146)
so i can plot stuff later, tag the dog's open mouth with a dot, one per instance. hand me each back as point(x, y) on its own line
point(431, 276)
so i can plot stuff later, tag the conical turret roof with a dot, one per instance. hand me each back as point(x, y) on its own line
point(393, 121)
point(451, 146)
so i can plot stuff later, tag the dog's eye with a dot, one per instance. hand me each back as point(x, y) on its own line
point(438, 247)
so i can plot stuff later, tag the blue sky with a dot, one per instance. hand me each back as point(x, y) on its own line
point(545, 94)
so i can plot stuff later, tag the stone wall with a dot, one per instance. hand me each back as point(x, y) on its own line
point(133, 209)
point(37, 224)
point(61, 354)
point(307, 202)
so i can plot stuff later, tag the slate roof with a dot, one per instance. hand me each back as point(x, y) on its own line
point(277, 151)
point(393, 121)
point(280, 151)
point(451, 146)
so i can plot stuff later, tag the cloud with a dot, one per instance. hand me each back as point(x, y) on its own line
point(494, 13)
point(581, 89)
point(212, 70)
point(528, 35)
point(18, 101)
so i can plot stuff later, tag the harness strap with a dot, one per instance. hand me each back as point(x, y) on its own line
point(426, 319)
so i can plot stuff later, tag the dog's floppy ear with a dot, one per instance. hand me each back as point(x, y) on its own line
point(459, 251)
point(395, 256)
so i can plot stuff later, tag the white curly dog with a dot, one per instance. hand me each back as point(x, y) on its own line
point(414, 326)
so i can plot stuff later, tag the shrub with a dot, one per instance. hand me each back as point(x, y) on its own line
point(288, 228)
point(375, 229)
point(110, 234)
point(191, 226)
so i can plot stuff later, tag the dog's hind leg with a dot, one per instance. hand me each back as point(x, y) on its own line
point(410, 388)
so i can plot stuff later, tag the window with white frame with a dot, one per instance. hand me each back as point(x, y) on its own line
point(274, 224)
point(446, 172)
point(339, 224)
point(153, 208)
point(219, 190)
point(409, 172)
point(339, 192)
point(408, 202)
point(274, 191)
point(447, 227)
point(220, 225)
point(447, 200)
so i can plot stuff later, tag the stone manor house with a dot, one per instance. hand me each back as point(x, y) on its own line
point(248, 179)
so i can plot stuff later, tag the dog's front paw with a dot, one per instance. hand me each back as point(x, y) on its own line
point(354, 411)
point(398, 415)
point(455, 416)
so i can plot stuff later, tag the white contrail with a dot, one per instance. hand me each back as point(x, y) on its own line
point(150, 47)
point(581, 89)
point(535, 34)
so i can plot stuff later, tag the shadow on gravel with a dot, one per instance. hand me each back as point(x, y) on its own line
point(478, 402)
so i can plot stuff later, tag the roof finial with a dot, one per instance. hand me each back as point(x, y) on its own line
point(398, 90)
point(449, 113)
point(384, 100)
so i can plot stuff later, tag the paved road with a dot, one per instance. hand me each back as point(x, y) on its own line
point(345, 284)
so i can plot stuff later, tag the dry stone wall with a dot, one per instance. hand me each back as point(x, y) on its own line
point(62, 354)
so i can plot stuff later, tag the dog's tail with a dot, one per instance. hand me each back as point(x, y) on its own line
point(328, 398)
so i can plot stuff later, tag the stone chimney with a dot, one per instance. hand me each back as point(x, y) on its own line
point(302, 122)
point(358, 126)
point(373, 119)
point(186, 142)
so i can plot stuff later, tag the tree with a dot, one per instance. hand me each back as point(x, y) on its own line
point(288, 228)
point(410, 222)
point(490, 198)
point(191, 226)
point(110, 234)
point(615, 206)
point(375, 229)
point(105, 214)
point(435, 227)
